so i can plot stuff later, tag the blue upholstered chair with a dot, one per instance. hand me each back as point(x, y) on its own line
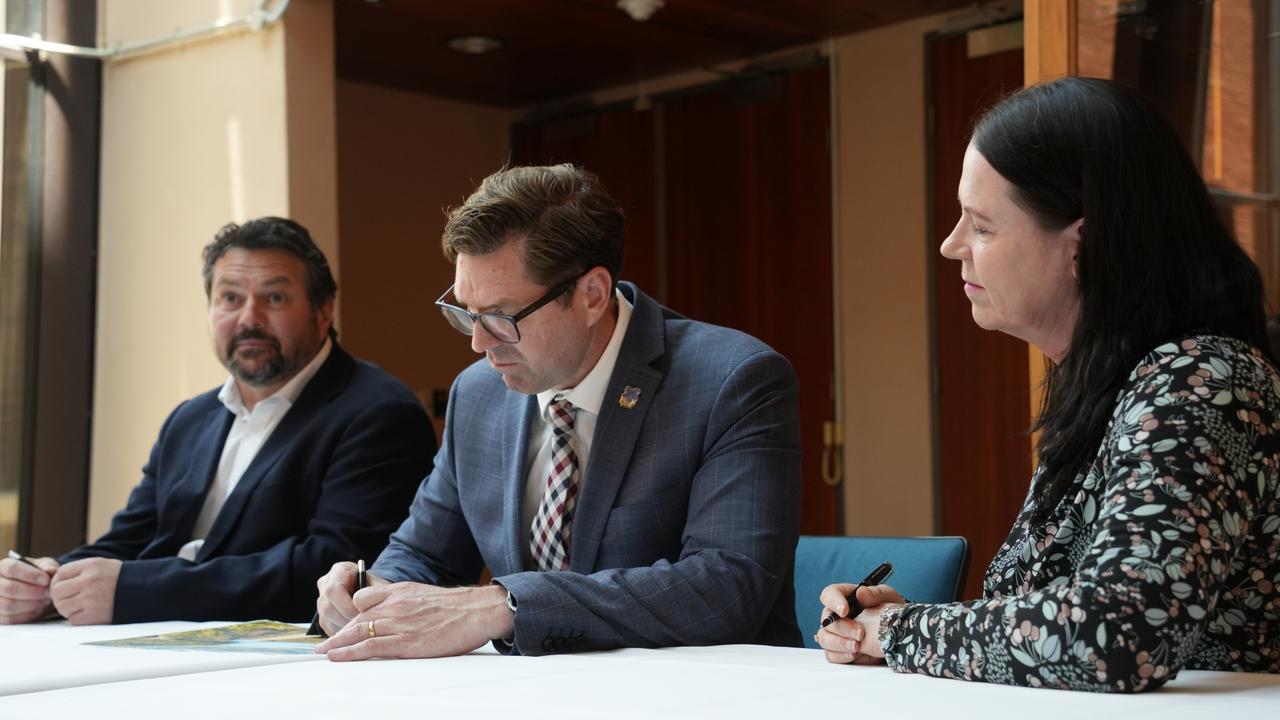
point(925, 569)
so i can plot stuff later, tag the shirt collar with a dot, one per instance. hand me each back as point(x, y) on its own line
point(588, 395)
point(230, 397)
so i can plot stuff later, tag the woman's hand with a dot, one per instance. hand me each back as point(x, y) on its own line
point(854, 640)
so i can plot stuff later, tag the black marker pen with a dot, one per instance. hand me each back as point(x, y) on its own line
point(877, 576)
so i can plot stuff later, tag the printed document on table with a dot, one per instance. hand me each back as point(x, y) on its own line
point(259, 636)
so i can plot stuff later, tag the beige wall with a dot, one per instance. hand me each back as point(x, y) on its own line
point(195, 136)
point(881, 222)
point(311, 125)
point(192, 137)
point(402, 159)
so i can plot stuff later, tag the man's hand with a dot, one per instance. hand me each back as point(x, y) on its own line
point(24, 590)
point(854, 640)
point(84, 591)
point(334, 604)
point(413, 620)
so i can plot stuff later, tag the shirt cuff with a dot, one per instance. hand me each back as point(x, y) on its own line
point(892, 630)
point(507, 646)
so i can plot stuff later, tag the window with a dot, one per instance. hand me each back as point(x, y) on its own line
point(20, 105)
point(1211, 66)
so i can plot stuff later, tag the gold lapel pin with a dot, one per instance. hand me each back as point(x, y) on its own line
point(629, 397)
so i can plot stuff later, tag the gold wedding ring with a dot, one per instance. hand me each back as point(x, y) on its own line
point(372, 632)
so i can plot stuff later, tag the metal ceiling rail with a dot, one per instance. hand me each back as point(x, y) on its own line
point(34, 48)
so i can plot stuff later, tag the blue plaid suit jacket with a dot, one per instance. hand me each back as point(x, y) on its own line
point(687, 520)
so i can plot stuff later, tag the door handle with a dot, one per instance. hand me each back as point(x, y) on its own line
point(832, 453)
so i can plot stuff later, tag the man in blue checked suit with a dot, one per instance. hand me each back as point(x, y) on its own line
point(630, 478)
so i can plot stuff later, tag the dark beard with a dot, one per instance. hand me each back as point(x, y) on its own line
point(271, 369)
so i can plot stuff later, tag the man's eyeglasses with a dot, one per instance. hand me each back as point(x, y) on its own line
point(502, 327)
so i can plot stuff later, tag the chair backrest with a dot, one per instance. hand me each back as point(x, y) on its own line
point(925, 569)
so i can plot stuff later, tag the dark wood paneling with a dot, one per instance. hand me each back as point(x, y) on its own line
point(748, 202)
point(983, 393)
point(558, 48)
point(747, 227)
point(618, 146)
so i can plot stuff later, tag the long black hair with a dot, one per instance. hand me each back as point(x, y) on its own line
point(1155, 260)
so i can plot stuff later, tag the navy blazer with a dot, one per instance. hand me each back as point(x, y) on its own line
point(686, 524)
point(330, 484)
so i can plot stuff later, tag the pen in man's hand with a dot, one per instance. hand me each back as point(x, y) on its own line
point(314, 629)
point(24, 559)
point(877, 576)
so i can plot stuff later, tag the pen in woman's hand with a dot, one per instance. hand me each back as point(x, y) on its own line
point(877, 576)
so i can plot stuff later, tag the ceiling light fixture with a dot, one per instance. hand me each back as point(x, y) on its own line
point(474, 44)
point(640, 10)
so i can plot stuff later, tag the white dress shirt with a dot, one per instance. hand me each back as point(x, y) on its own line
point(587, 397)
point(249, 431)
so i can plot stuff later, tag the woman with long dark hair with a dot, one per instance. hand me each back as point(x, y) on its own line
point(1149, 538)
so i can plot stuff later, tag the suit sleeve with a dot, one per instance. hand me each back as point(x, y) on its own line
point(434, 544)
point(133, 527)
point(369, 476)
point(738, 542)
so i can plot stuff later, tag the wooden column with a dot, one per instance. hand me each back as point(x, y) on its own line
point(1049, 40)
point(56, 496)
point(1049, 52)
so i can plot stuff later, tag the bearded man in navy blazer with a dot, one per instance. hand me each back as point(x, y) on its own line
point(630, 478)
point(304, 457)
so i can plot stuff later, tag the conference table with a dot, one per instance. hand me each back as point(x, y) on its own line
point(46, 671)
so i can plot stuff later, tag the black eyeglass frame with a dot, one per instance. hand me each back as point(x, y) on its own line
point(450, 310)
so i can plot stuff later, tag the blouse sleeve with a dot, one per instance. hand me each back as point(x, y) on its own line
point(1179, 479)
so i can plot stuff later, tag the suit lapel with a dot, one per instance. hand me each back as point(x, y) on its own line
point(330, 380)
point(187, 497)
point(515, 444)
point(618, 427)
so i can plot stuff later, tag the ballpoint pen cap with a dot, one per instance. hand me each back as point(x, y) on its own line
point(880, 574)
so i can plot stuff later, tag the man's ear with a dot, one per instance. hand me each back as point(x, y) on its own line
point(324, 314)
point(597, 289)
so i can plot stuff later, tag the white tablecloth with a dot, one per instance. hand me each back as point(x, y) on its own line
point(52, 655)
point(732, 681)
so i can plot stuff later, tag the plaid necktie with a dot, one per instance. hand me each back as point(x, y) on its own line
point(549, 536)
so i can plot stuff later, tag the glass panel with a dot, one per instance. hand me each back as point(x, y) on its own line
point(1210, 67)
point(1250, 224)
point(1157, 47)
point(1235, 101)
point(1237, 146)
point(1254, 225)
point(15, 263)
point(11, 309)
point(16, 277)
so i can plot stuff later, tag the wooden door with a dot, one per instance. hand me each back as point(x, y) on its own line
point(983, 387)
point(748, 204)
point(728, 202)
point(617, 145)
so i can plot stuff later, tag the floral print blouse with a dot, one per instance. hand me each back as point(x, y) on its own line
point(1164, 555)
